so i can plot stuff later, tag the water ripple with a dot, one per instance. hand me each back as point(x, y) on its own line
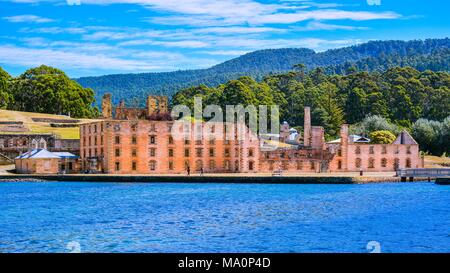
point(114, 217)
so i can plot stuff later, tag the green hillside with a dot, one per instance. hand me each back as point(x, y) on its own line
point(371, 56)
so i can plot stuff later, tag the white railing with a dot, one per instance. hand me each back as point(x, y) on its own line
point(435, 172)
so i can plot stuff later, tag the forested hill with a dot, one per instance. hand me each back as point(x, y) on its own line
point(438, 60)
point(376, 55)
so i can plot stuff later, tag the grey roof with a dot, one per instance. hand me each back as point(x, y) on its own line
point(405, 138)
point(359, 139)
point(65, 155)
point(352, 139)
point(43, 153)
point(37, 153)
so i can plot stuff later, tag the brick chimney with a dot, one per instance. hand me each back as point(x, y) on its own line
point(344, 145)
point(344, 134)
point(307, 127)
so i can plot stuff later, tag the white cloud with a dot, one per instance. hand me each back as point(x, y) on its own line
point(312, 43)
point(79, 57)
point(138, 36)
point(238, 30)
point(63, 59)
point(216, 29)
point(314, 25)
point(234, 12)
point(30, 1)
point(121, 34)
point(54, 30)
point(273, 18)
point(27, 18)
point(220, 8)
point(314, 4)
point(182, 20)
point(35, 41)
point(330, 14)
point(226, 52)
point(182, 44)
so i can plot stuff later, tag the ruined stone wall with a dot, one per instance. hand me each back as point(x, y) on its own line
point(291, 161)
point(128, 113)
point(151, 105)
point(157, 105)
point(163, 104)
point(66, 145)
point(107, 106)
point(317, 137)
point(11, 145)
point(22, 142)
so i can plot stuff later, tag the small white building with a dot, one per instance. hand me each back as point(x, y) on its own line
point(41, 161)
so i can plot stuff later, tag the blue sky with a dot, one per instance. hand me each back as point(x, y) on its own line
point(97, 37)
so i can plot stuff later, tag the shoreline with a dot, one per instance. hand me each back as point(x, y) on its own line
point(443, 181)
point(210, 178)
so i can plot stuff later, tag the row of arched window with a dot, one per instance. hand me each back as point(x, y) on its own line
point(35, 144)
point(152, 165)
point(371, 164)
point(384, 150)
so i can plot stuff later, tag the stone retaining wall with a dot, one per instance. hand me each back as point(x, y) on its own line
point(199, 179)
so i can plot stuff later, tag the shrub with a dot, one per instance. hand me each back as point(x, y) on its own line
point(382, 137)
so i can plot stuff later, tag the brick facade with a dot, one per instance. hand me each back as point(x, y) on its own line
point(353, 157)
point(142, 141)
point(146, 146)
point(37, 166)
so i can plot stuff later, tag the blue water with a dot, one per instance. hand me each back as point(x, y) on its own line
point(114, 217)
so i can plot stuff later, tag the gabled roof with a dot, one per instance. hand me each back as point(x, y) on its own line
point(37, 153)
point(405, 138)
point(43, 153)
point(65, 155)
point(359, 139)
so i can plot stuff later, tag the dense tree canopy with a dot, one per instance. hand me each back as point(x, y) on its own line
point(372, 124)
point(433, 136)
point(5, 94)
point(391, 100)
point(46, 89)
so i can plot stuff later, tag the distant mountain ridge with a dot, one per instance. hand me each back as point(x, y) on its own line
point(433, 54)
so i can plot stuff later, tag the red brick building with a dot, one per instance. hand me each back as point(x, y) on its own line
point(353, 156)
point(147, 141)
point(134, 143)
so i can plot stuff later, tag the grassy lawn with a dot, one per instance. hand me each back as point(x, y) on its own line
point(436, 161)
point(66, 133)
point(42, 127)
